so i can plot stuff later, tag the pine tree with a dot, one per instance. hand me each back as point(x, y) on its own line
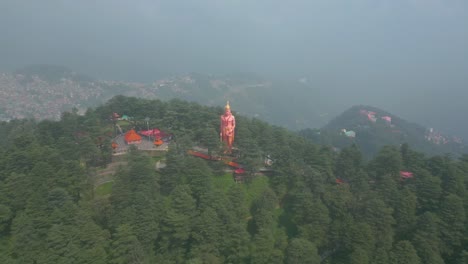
point(301, 251)
point(263, 247)
point(452, 216)
point(349, 163)
point(359, 256)
point(206, 233)
point(359, 238)
point(263, 210)
point(387, 162)
point(177, 222)
point(210, 139)
point(404, 253)
point(311, 217)
point(199, 179)
point(5, 216)
point(405, 213)
point(428, 191)
point(126, 248)
point(426, 238)
point(145, 224)
point(379, 217)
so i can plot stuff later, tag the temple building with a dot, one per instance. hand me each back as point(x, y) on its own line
point(131, 137)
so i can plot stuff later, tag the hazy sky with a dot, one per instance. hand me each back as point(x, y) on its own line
point(407, 56)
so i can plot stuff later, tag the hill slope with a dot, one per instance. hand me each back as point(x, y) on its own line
point(315, 205)
point(374, 128)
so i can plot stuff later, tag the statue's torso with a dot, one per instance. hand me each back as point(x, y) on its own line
point(227, 124)
point(227, 120)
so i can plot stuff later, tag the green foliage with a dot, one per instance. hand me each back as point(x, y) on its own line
point(311, 217)
point(192, 211)
point(404, 253)
point(125, 247)
point(104, 189)
point(302, 251)
point(452, 227)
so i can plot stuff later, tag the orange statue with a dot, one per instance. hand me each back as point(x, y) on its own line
point(228, 124)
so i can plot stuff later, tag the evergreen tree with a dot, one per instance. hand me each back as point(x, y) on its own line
point(263, 210)
point(5, 216)
point(387, 162)
point(172, 174)
point(381, 256)
point(235, 240)
point(426, 238)
point(206, 234)
point(126, 248)
point(302, 251)
point(349, 163)
point(359, 256)
point(177, 222)
point(360, 239)
point(428, 191)
point(311, 217)
point(199, 178)
point(452, 216)
point(404, 253)
point(145, 224)
point(379, 217)
point(263, 247)
point(405, 213)
point(210, 139)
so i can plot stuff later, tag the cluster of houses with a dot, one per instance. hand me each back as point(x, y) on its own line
point(439, 139)
point(31, 97)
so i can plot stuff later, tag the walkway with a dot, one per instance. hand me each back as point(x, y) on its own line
point(146, 144)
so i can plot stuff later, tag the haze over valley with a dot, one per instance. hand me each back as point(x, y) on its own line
point(407, 57)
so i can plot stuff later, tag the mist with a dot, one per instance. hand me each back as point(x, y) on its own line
point(408, 57)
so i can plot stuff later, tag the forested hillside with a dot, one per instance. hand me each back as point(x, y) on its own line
point(371, 128)
point(316, 205)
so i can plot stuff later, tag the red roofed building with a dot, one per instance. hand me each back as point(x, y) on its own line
point(131, 137)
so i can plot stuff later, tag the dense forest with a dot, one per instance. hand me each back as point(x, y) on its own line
point(317, 205)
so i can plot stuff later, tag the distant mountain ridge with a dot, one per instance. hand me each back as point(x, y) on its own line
point(371, 128)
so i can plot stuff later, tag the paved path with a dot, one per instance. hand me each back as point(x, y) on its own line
point(146, 144)
point(107, 174)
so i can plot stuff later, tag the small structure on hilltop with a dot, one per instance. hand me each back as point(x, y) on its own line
point(406, 174)
point(387, 119)
point(131, 137)
point(350, 133)
point(369, 114)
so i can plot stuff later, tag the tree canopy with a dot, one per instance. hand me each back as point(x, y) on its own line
point(312, 205)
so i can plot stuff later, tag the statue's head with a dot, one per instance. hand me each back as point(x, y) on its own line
point(227, 109)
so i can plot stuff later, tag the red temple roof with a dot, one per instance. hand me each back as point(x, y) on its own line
point(132, 136)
